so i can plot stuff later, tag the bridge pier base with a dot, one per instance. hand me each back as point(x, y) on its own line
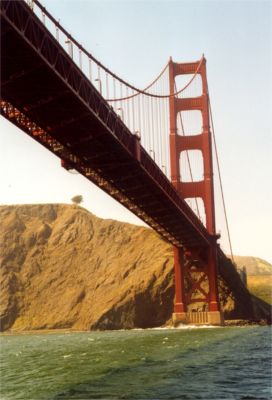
point(179, 318)
point(198, 318)
point(215, 318)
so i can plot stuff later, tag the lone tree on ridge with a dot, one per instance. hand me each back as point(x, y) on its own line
point(77, 199)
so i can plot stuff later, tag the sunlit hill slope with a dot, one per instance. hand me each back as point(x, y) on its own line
point(254, 265)
point(62, 267)
point(259, 276)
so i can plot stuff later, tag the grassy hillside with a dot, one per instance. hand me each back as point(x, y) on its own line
point(261, 286)
point(254, 265)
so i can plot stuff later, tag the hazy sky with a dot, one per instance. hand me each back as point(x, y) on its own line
point(135, 40)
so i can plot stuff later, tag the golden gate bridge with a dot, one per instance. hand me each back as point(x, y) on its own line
point(150, 149)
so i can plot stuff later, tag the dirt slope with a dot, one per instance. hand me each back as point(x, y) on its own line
point(62, 267)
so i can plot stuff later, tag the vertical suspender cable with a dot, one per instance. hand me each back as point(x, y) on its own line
point(139, 116)
point(160, 133)
point(133, 115)
point(107, 84)
point(90, 69)
point(220, 180)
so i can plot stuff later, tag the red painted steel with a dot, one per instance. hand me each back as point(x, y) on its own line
point(189, 285)
point(42, 83)
point(47, 96)
point(179, 306)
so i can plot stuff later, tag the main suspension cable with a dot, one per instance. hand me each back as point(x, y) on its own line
point(159, 96)
point(220, 179)
point(99, 64)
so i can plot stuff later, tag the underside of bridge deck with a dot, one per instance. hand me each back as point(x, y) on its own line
point(42, 89)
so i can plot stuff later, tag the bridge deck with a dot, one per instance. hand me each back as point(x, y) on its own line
point(40, 79)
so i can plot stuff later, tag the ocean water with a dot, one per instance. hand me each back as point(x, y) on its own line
point(211, 363)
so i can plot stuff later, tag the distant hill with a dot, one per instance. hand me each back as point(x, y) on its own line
point(254, 265)
point(62, 267)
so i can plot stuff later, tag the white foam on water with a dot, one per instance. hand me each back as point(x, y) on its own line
point(135, 329)
point(185, 326)
point(161, 328)
point(167, 328)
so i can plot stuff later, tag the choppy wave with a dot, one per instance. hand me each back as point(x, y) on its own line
point(187, 362)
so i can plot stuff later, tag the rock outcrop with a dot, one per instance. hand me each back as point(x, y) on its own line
point(62, 267)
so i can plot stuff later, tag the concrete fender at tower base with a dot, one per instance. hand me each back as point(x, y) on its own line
point(198, 318)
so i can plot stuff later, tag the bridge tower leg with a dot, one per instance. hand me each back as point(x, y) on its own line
point(179, 315)
point(195, 268)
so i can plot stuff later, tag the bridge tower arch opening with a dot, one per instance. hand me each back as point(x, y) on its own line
point(196, 286)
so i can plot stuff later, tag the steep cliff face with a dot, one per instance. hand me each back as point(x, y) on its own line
point(62, 267)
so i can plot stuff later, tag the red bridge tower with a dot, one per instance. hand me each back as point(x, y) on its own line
point(196, 288)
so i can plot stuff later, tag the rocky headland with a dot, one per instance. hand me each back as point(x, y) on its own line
point(62, 267)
